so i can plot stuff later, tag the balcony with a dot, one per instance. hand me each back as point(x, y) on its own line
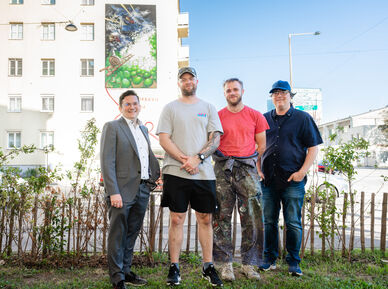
point(183, 25)
point(183, 56)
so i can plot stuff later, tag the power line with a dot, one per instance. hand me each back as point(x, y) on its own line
point(357, 51)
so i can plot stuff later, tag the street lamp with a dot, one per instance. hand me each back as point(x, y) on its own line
point(289, 48)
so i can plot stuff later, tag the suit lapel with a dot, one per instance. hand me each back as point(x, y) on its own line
point(127, 131)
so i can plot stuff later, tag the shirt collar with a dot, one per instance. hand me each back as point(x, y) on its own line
point(134, 123)
point(288, 113)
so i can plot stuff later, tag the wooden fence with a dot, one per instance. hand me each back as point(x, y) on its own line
point(58, 222)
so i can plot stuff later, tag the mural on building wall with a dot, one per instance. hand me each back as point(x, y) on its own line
point(130, 46)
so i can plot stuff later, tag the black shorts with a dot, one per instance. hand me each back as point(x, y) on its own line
point(179, 192)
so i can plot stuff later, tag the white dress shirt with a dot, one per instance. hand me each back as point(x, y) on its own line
point(142, 146)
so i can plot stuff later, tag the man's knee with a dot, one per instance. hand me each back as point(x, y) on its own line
point(204, 219)
point(177, 219)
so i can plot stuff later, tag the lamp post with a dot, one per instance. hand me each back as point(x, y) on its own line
point(289, 48)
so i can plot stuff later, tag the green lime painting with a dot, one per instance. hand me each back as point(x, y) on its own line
point(130, 46)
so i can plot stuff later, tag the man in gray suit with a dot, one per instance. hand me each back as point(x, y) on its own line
point(130, 170)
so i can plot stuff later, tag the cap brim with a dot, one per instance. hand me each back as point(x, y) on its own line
point(179, 76)
point(277, 88)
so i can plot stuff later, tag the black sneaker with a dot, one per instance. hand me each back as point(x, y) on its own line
point(212, 276)
point(134, 279)
point(120, 285)
point(174, 276)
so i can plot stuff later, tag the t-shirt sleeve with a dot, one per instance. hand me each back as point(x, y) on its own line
point(165, 121)
point(311, 135)
point(261, 123)
point(214, 123)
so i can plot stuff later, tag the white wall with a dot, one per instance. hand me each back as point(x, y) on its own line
point(67, 49)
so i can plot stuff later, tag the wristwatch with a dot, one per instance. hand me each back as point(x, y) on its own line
point(201, 157)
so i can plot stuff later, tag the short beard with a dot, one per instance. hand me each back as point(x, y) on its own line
point(235, 103)
point(189, 92)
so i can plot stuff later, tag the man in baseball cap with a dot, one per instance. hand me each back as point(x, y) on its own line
point(187, 69)
point(292, 145)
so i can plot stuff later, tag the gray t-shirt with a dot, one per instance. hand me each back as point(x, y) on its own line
point(189, 126)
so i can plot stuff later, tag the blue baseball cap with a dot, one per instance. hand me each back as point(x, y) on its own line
point(282, 85)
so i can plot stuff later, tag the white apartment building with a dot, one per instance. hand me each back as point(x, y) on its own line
point(54, 80)
point(366, 125)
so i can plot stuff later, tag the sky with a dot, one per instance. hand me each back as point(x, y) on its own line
point(248, 39)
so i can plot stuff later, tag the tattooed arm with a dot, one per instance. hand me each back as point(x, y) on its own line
point(190, 164)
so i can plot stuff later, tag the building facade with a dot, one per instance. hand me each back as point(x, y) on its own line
point(370, 125)
point(54, 80)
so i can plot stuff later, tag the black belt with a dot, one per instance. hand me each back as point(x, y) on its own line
point(142, 181)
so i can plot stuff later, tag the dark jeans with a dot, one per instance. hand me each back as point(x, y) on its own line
point(291, 199)
point(125, 224)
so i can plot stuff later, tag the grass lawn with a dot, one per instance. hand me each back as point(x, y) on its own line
point(365, 271)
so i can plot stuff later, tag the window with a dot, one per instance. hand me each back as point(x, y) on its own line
point(16, 2)
point(87, 67)
point(87, 2)
point(14, 139)
point(48, 2)
point(16, 31)
point(47, 103)
point(15, 67)
point(46, 139)
point(87, 103)
point(87, 31)
point(15, 103)
point(48, 31)
point(48, 67)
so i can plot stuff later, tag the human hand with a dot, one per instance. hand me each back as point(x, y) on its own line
point(261, 175)
point(190, 164)
point(296, 177)
point(116, 201)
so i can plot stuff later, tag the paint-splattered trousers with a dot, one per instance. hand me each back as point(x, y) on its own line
point(238, 180)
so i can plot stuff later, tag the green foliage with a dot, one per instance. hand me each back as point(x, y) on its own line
point(342, 157)
point(192, 258)
point(83, 167)
point(5, 157)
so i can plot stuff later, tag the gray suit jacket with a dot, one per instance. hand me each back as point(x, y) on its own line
point(120, 163)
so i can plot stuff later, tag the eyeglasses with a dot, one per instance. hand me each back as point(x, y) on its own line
point(279, 92)
point(126, 104)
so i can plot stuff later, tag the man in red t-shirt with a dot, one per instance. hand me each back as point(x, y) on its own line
point(241, 144)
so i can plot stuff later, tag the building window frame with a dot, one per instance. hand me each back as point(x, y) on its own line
point(48, 2)
point(15, 67)
point(16, 31)
point(48, 31)
point(48, 103)
point(87, 67)
point(87, 103)
point(87, 2)
point(48, 66)
point(15, 103)
point(16, 138)
point(46, 139)
point(16, 2)
point(87, 31)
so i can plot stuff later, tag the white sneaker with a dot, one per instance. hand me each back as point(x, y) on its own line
point(227, 272)
point(250, 272)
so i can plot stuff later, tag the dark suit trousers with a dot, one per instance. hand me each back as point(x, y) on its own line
point(125, 224)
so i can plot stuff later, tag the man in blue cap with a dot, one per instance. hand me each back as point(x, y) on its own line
point(292, 146)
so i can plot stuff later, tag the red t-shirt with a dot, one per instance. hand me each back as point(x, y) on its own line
point(240, 129)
